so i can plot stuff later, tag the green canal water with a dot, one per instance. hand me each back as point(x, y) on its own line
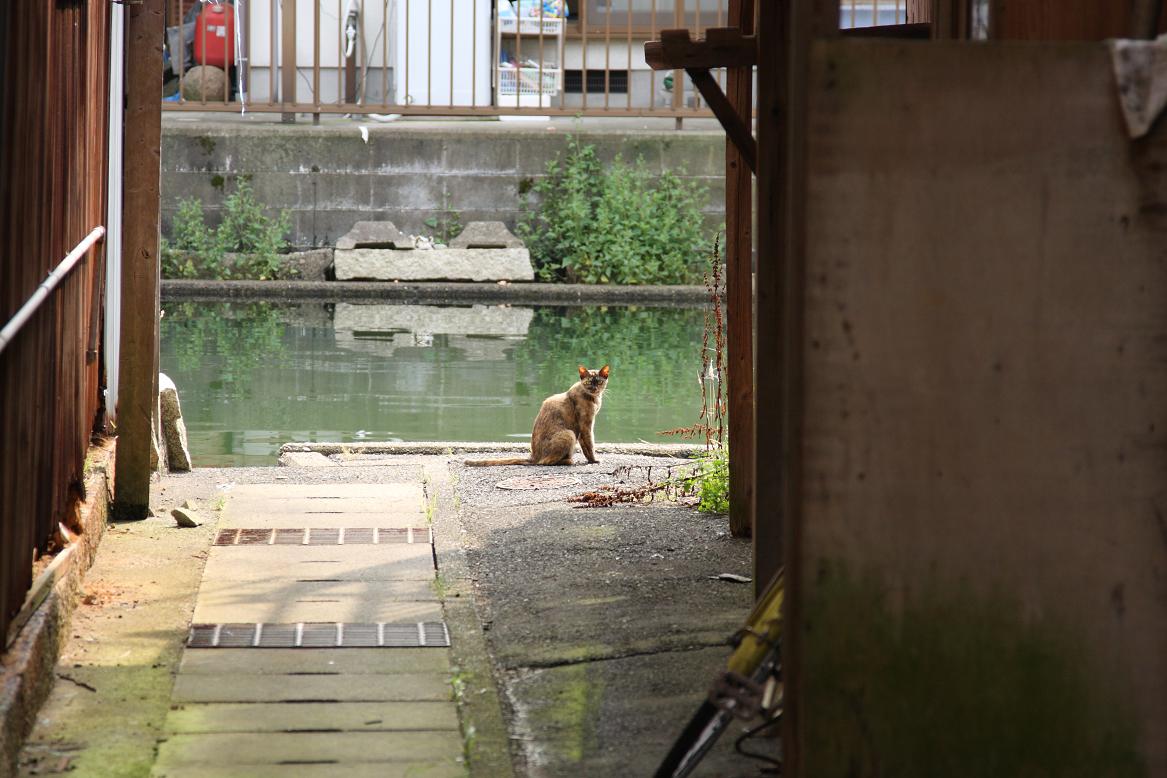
point(253, 376)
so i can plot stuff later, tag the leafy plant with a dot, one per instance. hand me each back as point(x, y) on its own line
point(196, 250)
point(446, 224)
point(710, 481)
point(623, 225)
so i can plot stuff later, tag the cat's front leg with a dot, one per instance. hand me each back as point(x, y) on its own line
point(587, 445)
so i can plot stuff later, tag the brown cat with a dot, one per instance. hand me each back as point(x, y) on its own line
point(564, 419)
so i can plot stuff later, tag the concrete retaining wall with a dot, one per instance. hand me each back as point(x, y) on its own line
point(329, 177)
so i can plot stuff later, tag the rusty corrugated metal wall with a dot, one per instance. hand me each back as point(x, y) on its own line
point(53, 165)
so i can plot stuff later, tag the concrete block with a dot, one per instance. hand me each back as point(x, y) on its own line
point(434, 769)
point(313, 716)
point(374, 234)
point(409, 190)
point(393, 515)
point(232, 608)
point(397, 562)
point(292, 748)
point(238, 687)
point(391, 152)
point(482, 191)
point(282, 661)
point(535, 153)
point(436, 265)
point(312, 265)
point(486, 235)
point(498, 155)
point(173, 427)
point(341, 190)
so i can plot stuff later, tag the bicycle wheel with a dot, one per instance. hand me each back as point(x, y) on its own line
point(695, 741)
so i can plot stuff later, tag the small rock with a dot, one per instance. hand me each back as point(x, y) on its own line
point(185, 517)
point(190, 505)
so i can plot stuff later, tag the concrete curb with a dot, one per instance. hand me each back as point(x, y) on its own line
point(435, 292)
point(485, 734)
point(27, 672)
point(680, 450)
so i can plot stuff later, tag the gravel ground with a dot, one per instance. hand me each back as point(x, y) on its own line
point(606, 624)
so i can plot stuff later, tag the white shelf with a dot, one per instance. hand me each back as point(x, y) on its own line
point(529, 25)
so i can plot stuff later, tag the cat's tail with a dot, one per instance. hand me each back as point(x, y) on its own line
point(493, 462)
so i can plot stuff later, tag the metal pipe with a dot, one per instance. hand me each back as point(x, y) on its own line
point(55, 277)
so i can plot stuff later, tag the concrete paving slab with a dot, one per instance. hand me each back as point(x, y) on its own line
point(282, 661)
point(401, 515)
point(436, 769)
point(297, 563)
point(221, 593)
point(247, 507)
point(314, 717)
point(243, 608)
point(289, 749)
point(238, 687)
point(391, 491)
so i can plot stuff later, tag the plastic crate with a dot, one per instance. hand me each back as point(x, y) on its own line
point(525, 81)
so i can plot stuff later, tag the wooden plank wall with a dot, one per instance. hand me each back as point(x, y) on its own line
point(981, 537)
point(54, 100)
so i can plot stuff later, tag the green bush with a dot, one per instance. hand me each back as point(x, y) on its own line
point(710, 481)
point(198, 251)
point(625, 225)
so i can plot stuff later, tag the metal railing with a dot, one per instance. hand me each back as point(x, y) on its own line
point(55, 277)
point(445, 57)
point(434, 57)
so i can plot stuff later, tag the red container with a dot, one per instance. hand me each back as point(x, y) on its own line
point(214, 38)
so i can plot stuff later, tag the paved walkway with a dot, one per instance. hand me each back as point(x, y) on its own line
point(361, 575)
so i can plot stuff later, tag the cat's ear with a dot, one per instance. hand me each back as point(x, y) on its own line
point(583, 372)
point(604, 371)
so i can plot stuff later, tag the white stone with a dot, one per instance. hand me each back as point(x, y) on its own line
point(305, 459)
point(185, 517)
point(173, 427)
point(434, 265)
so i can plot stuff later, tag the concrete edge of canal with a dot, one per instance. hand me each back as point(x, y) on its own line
point(434, 292)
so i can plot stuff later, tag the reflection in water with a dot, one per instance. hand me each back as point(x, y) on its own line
point(253, 376)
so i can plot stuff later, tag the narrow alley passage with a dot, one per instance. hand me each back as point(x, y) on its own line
point(318, 641)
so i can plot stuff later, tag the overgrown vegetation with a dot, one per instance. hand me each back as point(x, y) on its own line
point(623, 225)
point(196, 250)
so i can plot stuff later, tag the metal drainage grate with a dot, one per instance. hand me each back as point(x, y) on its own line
point(321, 634)
point(323, 536)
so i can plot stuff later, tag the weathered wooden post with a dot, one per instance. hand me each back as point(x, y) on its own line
point(739, 289)
point(141, 231)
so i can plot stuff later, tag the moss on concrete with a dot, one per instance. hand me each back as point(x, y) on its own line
point(951, 683)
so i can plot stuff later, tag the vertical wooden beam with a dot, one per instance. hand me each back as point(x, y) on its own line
point(141, 236)
point(740, 293)
point(785, 33)
point(288, 57)
point(767, 411)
